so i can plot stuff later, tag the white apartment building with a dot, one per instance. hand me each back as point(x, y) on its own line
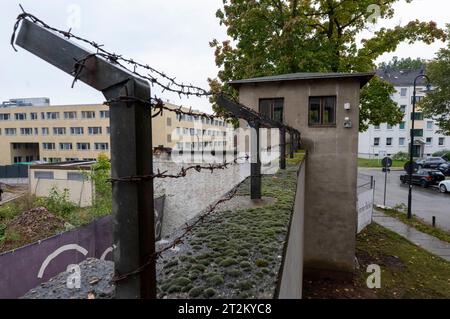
point(385, 140)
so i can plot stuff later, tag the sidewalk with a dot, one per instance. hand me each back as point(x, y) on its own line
point(425, 241)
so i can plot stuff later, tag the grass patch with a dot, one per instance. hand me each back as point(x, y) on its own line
point(369, 163)
point(408, 271)
point(420, 225)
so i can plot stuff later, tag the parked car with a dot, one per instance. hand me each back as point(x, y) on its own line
point(424, 177)
point(445, 168)
point(431, 162)
point(444, 186)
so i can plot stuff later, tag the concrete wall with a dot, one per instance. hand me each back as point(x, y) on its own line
point(80, 192)
point(331, 168)
point(292, 276)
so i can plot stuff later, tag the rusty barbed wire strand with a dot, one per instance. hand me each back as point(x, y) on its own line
point(155, 76)
point(179, 239)
point(183, 172)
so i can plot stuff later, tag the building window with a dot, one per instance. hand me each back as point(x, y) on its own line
point(36, 131)
point(430, 125)
point(403, 108)
point(403, 92)
point(389, 127)
point(33, 116)
point(59, 131)
point(72, 176)
point(5, 117)
point(418, 133)
point(322, 111)
point(401, 141)
point(70, 115)
point(101, 146)
point(45, 131)
point(97, 130)
point(376, 127)
point(104, 114)
point(270, 108)
point(10, 131)
point(418, 116)
point(108, 130)
point(26, 131)
point(376, 141)
point(192, 132)
point(52, 115)
point(429, 141)
point(65, 146)
point(54, 160)
point(402, 125)
point(169, 138)
point(17, 159)
point(83, 146)
point(88, 114)
point(76, 131)
point(48, 146)
point(29, 159)
point(389, 141)
point(418, 99)
point(20, 116)
point(169, 121)
point(441, 141)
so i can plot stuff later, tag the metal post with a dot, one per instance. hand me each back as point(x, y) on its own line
point(434, 221)
point(385, 183)
point(131, 152)
point(411, 146)
point(256, 163)
point(282, 148)
point(291, 149)
point(132, 206)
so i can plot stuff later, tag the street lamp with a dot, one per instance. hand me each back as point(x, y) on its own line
point(411, 146)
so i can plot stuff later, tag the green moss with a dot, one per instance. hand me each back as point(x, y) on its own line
point(195, 292)
point(245, 265)
point(215, 280)
point(180, 281)
point(234, 273)
point(245, 285)
point(171, 264)
point(174, 288)
point(208, 293)
point(228, 262)
point(199, 267)
point(187, 288)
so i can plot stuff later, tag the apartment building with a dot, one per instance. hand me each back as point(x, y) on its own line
point(32, 132)
point(387, 140)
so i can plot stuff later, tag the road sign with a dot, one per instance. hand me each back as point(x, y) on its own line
point(415, 167)
point(386, 162)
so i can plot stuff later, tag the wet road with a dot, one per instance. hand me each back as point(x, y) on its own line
point(426, 202)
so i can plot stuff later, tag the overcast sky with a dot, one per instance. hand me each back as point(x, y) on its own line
point(170, 35)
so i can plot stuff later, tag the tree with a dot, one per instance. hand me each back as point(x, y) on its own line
point(436, 105)
point(270, 37)
point(397, 64)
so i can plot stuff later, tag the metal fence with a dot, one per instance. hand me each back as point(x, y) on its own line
point(14, 171)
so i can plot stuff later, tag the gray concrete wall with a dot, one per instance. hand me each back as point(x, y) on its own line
point(331, 168)
point(292, 276)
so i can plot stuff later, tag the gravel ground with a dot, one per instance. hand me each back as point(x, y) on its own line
point(96, 278)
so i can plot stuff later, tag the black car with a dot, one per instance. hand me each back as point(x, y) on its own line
point(445, 168)
point(424, 177)
point(431, 162)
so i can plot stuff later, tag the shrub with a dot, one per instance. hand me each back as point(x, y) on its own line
point(445, 154)
point(58, 202)
point(99, 175)
point(400, 156)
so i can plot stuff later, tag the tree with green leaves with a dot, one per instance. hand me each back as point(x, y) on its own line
point(270, 37)
point(436, 105)
point(397, 64)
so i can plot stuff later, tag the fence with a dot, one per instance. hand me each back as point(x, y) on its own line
point(365, 189)
point(13, 171)
point(125, 84)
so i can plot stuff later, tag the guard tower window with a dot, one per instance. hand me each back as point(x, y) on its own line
point(272, 108)
point(322, 111)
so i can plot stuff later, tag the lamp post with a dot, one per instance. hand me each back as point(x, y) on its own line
point(411, 146)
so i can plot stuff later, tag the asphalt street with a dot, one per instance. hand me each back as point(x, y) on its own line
point(426, 202)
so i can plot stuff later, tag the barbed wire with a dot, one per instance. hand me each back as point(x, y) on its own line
point(183, 172)
point(154, 76)
point(181, 238)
